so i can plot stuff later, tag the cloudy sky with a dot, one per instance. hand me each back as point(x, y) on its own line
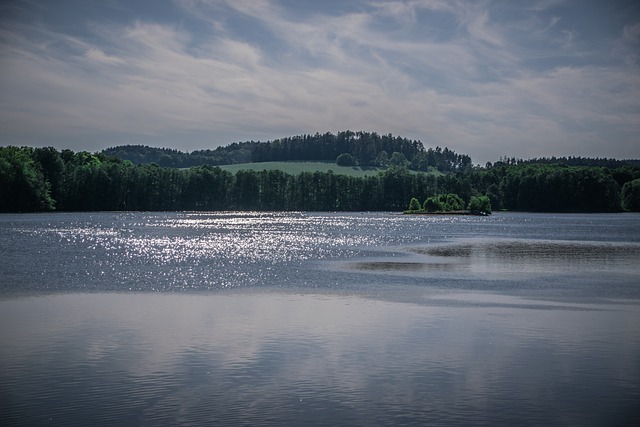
point(485, 78)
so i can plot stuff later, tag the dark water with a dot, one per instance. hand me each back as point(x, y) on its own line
point(319, 319)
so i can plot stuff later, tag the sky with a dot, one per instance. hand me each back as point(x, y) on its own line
point(485, 78)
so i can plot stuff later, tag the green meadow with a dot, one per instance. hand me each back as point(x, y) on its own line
point(296, 168)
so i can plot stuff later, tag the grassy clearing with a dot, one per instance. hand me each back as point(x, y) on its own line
point(295, 168)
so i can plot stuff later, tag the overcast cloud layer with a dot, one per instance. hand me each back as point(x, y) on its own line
point(485, 78)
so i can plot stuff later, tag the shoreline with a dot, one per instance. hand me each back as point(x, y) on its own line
point(464, 213)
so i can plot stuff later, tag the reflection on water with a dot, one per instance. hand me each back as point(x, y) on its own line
point(178, 251)
point(404, 266)
point(188, 251)
point(499, 258)
point(286, 359)
point(536, 251)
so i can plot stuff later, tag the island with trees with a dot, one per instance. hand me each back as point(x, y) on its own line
point(450, 204)
point(141, 178)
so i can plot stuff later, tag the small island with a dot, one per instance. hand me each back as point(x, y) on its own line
point(450, 204)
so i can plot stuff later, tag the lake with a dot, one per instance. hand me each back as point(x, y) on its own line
point(249, 318)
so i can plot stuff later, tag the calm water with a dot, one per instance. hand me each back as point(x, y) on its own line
point(319, 319)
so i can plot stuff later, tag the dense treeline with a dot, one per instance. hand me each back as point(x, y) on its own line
point(40, 179)
point(567, 161)
point(167, 157)
point(366, 148)
point(554, 188)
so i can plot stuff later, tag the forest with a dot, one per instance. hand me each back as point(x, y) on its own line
point(45, 179)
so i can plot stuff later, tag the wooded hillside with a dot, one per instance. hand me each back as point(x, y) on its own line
point(366, 148)
point(41, 179)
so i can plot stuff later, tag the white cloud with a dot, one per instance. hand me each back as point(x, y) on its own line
point(628, 46)
point(95, 54)
point(631, 33)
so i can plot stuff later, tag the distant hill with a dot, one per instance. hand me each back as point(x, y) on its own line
point(368, 149)
point(365, 149)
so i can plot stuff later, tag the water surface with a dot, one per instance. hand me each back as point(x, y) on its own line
point(316, 319)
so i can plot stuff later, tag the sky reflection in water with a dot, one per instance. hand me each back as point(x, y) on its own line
point(285, 358)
